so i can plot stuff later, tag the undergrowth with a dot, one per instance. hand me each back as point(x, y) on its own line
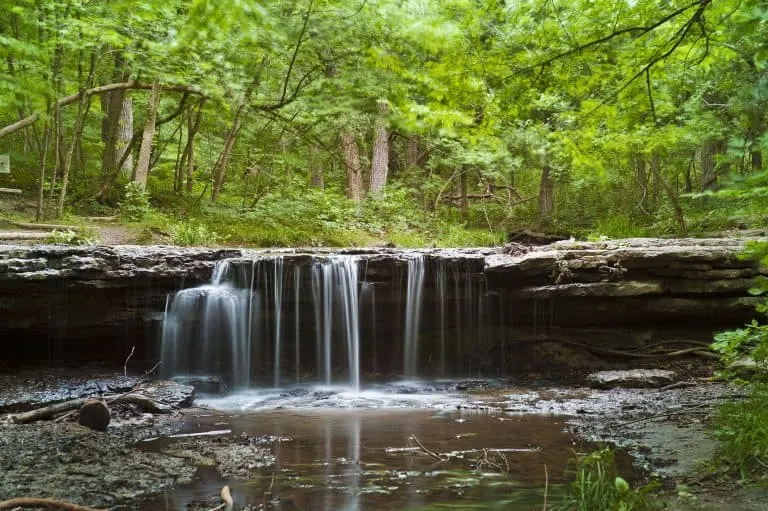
point(598, 486)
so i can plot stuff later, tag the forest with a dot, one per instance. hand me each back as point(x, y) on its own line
point(411, 122)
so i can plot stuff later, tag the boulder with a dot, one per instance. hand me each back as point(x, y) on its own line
point(632, 379)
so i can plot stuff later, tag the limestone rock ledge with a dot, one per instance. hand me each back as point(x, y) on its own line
point(96, 303)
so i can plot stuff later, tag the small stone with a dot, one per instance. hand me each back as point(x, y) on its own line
point(94, 414)
point(632, 379)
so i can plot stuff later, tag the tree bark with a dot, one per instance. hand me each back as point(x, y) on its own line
point(141, 172)
point(642, 180)
point(757, 160)
point(546, 196)
point(316, 178)
point(380, 156)
point(351, 152)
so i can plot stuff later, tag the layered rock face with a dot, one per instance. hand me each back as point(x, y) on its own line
point(482, 310)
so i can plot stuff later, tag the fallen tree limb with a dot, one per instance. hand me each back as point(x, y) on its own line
point(68, 100)
point(27, 225)
point(421, 446)
point(16, 235)
point(47, 411)
point(11, 190)
point(31, 502)
point(597, 350)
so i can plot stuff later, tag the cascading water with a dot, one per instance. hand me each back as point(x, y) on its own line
point(415, 288)
point(219, 341)
point(256, 320)
point(336, 292)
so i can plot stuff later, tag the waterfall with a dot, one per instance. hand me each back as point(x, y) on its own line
point(254, 321)
point(297, 321)
point(220, 338)
point(335, 282)
point(277, 300)
point(415, 287)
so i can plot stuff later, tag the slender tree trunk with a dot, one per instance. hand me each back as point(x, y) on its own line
point(351, 152)
point(757, 160)
point(708, 166)
point(316, 177)
point(193, 126)
point(220, 167)
point(82, 108)
point(463, 193)
point(43, 159)
point(546, 196)
point(141, 172)
point(380, 157)
point(412, 151)
point(642, 180)
point(671, 194)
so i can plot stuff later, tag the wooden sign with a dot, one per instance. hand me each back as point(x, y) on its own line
point(5, 164)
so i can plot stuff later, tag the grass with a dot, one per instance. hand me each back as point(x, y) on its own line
point(597, 486)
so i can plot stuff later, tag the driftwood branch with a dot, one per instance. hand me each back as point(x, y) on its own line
point(43, 503)
point(412, 439)
point(47, 411)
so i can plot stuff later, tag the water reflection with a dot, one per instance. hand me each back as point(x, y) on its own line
point(361, 459)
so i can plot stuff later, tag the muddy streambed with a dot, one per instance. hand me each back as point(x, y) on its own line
point(412, 445)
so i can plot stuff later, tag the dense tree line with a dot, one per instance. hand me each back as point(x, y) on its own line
point(496, 114)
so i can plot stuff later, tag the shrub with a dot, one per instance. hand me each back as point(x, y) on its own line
point(135, 204)
point(193, 233)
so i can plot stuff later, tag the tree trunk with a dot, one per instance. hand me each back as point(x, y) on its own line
point(316, 178)
point(43, 159)
point(412, 151)
point(141, 172)
point(642, 180)
point(708, 166)
point(220, 167)
point(380, 157)
point(82, 108)
point(351, 153)
point(546, 196)
point(463, 194)
point(671, 194)
point(757, 160)
point(193, 126)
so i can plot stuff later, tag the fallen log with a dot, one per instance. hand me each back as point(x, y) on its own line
point(11, 190)
point(47, 412)
point(46, 227)
point(145, 403)
point(11, 235)
point(31, 502)
point(94, 414)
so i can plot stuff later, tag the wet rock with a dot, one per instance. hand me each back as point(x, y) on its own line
point(94, 414)
point(170, 393)
point(633, 379)
point(202, 384)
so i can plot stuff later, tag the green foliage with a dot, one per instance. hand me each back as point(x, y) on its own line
point(598, 486)
point(741, 426)
point(193, 233)
point(751, 341)
point(81, 236)
point(135, 204)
